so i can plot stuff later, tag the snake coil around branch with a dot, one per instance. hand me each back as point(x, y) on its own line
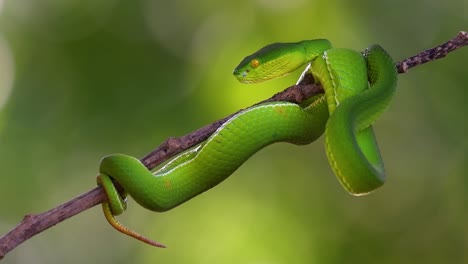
point(36, 223)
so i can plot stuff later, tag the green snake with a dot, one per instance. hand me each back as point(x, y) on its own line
point(358, 88)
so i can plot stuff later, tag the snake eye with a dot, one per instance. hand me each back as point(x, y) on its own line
point(254, 63)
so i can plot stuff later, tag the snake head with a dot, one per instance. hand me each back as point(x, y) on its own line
point(272, 61)
point(278, 59)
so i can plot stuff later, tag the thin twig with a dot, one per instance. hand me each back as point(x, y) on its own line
point(34, 224)
point(435, 53)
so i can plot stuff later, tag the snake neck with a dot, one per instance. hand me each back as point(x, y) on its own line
point(314, 48)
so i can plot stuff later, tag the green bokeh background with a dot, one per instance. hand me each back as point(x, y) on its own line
point(80, 79)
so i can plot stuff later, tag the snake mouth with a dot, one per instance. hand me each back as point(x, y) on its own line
point(241, 75)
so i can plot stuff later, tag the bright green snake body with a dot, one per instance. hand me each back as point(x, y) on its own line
point(345, 112)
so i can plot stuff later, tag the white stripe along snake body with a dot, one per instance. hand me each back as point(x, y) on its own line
point(358, 88)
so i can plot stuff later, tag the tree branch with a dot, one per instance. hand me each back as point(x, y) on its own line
point(34, 224)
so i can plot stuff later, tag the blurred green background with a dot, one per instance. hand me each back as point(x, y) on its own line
point(80, 79)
